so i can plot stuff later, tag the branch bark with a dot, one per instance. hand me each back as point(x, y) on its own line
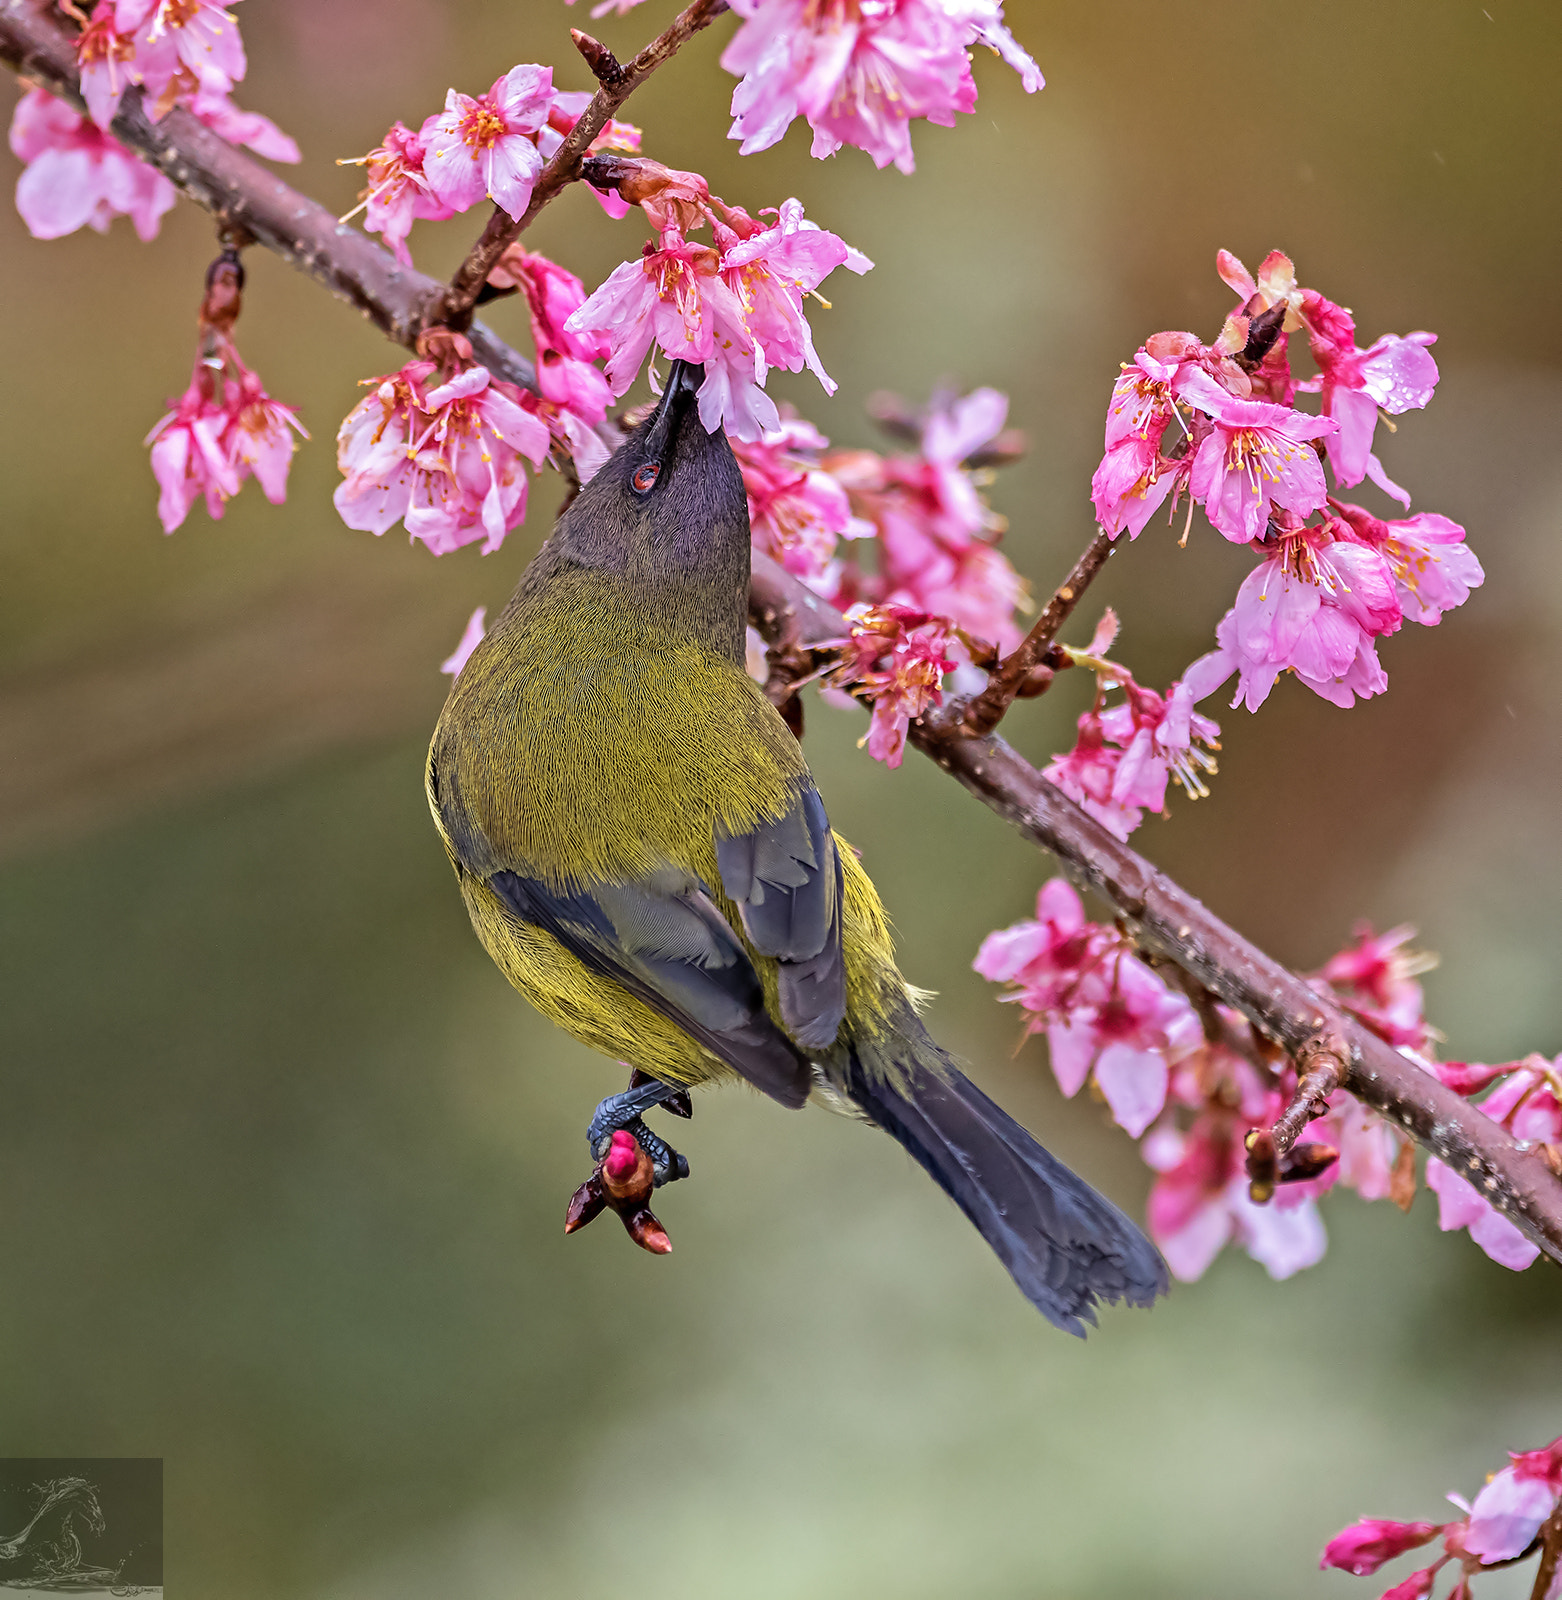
point(1163, 917)
point(983, 713)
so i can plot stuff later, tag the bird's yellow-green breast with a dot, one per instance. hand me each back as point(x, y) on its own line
point(590, 737)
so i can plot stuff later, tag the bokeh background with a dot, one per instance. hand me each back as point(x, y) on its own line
point(282, 1160)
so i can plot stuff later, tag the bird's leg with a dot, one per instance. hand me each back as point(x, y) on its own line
point(624, 1112)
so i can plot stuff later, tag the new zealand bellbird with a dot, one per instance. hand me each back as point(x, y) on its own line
point(644, 854)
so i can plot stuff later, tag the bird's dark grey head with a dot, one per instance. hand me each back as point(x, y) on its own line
point(671, 495)
point(668, 512)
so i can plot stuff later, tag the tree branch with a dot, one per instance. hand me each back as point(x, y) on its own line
point(983, 713)
point(1168, 921)
point(454, 308)
point(1164, 918)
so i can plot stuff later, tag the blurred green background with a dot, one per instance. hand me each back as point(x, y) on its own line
point(283, 1162)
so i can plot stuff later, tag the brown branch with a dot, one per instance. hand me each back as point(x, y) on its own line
point(1163, 918)
point(1550, 1556)
point(1168, 921)
point(454, 306)
point(1320, 1066)
point(983, 713)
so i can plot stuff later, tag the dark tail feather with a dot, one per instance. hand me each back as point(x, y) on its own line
point(1065, 1245)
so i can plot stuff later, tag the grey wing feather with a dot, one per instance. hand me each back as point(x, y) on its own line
point(785, 876)
point(669, 946)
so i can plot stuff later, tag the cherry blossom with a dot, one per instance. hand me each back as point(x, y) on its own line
point(1395, 375)
point(471, 637)
point(398, 191)
point(1501, 1526)
point(210, 442)
point(486, 145)
point(798, 512)
point(1434, 570)
point(896, 657)
point(1256, 457)
point(861, 70)
point(1200, 1203)
point(445, 460)
point(1374, 978)
point(1103, 1010)
point(1507, 1514)
point(770, 271)
point(736, 310)
point(936, 532)
point(1364, 1546)
point(188, 458)
point(171, 47)
point(567, 376)
point(1134, 478)
point(1125, 753)
point(1163, 737)
point(1314, 607)
point(78, 176)
point(1087, 775)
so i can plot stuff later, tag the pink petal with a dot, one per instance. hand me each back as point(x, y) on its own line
point(513, 166)
point(1190, 1250)
point(1072, 1049)
point(57, 193)
point(1134, 1083)
point(470, 639)
point(1364, 1547)
point(1507, 1515)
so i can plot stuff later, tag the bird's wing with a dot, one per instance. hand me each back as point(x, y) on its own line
point(668, 944)
point(785, 876)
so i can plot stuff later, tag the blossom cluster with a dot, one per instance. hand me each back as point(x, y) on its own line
point(1127, 751)
point(939, 594)
point(1509, 1519)
point(1216, 425)
point(1190, 1086)
point(440, 447)
point(222, 429)
point(181, 52)
point(896, 657)
point(491, 146)
point(734, 306)
point(861, 71)
point(936, 534)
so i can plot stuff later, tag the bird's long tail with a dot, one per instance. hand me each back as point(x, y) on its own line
point(1065, 1245)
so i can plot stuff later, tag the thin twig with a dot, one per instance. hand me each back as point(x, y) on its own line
point(1162, 917)
point(1550, 1556)
point(454, 306)
point(985, 711)
point(1320, 1068)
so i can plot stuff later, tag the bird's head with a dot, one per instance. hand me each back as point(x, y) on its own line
point(669, 502)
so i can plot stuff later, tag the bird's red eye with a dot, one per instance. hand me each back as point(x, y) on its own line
point(645, 477)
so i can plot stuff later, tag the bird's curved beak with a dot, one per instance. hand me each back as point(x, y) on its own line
point(683, 384)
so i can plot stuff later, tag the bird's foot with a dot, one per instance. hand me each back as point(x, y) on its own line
point(624, 1113)
point(631, 1162)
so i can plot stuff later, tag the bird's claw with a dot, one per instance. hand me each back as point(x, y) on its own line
point(622, 1182)
point(624, 1113)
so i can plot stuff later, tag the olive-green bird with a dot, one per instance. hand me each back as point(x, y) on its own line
point(644, 854)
